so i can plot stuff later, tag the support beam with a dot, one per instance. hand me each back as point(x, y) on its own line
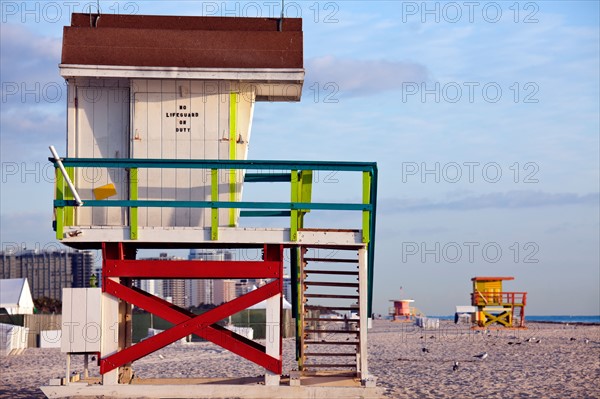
point(195, 324)
point(192, 269)
point(120, 266)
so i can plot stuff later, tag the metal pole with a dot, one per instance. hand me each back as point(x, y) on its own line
point(78, 200)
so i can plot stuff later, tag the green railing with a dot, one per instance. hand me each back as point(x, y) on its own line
point(298, 173)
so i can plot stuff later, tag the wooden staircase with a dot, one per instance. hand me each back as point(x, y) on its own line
point(330, 339)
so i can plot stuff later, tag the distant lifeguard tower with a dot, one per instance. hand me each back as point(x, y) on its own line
point(496, 306)
point(402, 311)
point(159, 119)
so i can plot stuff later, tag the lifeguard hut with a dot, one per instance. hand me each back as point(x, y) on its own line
point(402, 310)
point(159, 120)
point(496, 306)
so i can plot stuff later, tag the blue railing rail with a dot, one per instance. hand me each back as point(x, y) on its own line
point(297, 173)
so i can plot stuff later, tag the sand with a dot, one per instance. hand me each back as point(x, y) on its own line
point(560, 365)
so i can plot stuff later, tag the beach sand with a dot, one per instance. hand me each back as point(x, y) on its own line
point(561, 365)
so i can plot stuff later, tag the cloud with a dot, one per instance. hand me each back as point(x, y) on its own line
point(508, 200)
point(29, 64)
point(26, 54)
point(362, 77)
point(33, 94)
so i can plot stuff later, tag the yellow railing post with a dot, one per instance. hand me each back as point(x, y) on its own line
point(60, 210)
point(68, 195)
point(304, 193)
point(133, 211)
point(294, 212)
point(366, 215)
point(214, 197)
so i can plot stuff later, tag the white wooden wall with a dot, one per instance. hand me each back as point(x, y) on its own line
point(137, 118)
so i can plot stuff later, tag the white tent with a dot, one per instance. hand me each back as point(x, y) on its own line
point(15, 296)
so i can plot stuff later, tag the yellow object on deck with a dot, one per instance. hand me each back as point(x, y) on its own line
point(103, 192)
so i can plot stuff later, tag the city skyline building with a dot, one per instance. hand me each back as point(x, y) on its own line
point(48, 271)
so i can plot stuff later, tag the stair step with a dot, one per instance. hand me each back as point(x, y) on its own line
point(329, 354)
point(332, 272)
point(355, 343)
point(348, 366)
point(330, 284)
point(331, 331)
point(331, 260)
point(314, 307)
point(331, 296)
point(334, 320)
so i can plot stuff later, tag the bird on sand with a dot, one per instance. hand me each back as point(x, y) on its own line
point(455, 367)
point(425, 350)
point(482, 355)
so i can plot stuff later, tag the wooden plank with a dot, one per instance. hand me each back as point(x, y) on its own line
point(331, 260)
point(329, 319)
point(324, 342)
point(183, 144)
point(67, 317)
point(169, 151)
point(211, 134)
point(330, 284)
point(154, 144)
point(78, 319)
point(199, 179)
point(332, 272)
point(117, 147)
point(85, 148)
point(332, 354)
point(223, 145)
point(98, 98)
point(331, 296)
point(139, 143)
point(314, 307)
point(93, 324)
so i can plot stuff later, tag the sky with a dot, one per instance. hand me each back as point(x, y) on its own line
point(483, 118)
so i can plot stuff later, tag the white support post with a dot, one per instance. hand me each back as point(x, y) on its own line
point(68, 380)
point(273, 335)
point(110, 334)
point(363, 313)
point(86, 373)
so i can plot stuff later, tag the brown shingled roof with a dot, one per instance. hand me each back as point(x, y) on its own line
point(171, 41)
